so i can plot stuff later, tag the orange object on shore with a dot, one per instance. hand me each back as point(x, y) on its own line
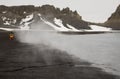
point(11, 36)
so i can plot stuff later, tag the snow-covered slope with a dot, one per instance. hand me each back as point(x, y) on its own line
point(8, 21)
point(50, 24)
point(72, 28)
point(25, 22)
point(44, 24)
point(57, 24)
point(99, 28)
point(60, 24)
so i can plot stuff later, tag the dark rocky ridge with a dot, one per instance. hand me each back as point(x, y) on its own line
point(114, 20)
point(49, 12)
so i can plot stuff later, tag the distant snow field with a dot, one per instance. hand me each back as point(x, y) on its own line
point(99, 28)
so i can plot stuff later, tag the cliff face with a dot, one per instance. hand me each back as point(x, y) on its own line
point(114, 20)
point(12, 16)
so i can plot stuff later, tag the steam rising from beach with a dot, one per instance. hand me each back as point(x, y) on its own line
point(49, 44)
point(40, 34)
point(86, 47)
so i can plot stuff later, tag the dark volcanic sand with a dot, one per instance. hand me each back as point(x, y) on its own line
point(25, 61)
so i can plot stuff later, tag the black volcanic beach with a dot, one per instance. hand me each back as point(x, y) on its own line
point(25, 61)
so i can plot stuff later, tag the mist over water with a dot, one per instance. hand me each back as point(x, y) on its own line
point(46, 44)
point(100, 49)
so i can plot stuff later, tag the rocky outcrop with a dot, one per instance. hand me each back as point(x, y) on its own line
point(114, 20)
point(13, 15)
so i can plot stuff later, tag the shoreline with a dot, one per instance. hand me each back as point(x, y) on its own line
point(15, 63)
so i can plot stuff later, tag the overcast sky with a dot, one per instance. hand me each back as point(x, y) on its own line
point(90, 10)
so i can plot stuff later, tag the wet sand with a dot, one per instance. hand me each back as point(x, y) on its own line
point(25, 61)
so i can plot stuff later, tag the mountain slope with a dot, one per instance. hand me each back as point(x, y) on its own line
point(114, 20)
point(46, 16)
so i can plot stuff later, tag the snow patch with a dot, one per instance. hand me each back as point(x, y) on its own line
point(25, 23)
point(4, 18)
point(99, 28)
point(59, 23)
point(28, 18)
point(25, 27)
point(4, 12)
point(14, 21)
point(51, 24)
point(6, 23)
point(72, 28)
point(24, 12)
point(6, 29)
point(39, 14)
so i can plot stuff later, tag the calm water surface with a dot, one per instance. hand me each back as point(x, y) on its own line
point(101, 49)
